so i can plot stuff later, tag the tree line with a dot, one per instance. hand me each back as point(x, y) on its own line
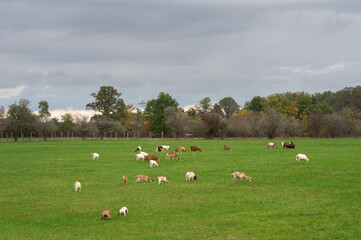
point(299, 114)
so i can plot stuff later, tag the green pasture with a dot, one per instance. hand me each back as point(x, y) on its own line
point(320, 199)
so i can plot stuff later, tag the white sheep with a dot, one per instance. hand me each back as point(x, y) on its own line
point(162, 179)
point(153, 163)
point(301, 156)
point(77, 186)
point(95, 156)
point(123, 211)
point(190, 176)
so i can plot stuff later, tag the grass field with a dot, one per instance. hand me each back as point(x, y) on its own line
point(320, 199)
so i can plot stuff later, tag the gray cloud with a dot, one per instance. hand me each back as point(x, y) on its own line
point(62, 51)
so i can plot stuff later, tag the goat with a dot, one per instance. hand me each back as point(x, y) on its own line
point(300, 157)
point(151, 157)
point(288, 145)
point(171, 155)
point(77, 186)
point(95, 156)
point(190, 176)
point(225, 148)
point(125, 179)
point(272, 145)
point(182, 149)
point(106, 214)
point(153, 163)
point(176, 149)
point(123, 211)
point(159, 149)
point(143, 178)
point(195, 148)
point(138, 149)
point(241, 176)
point(162, 179)
point(139, 156)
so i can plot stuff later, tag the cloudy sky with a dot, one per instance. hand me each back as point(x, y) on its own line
point(63, 50)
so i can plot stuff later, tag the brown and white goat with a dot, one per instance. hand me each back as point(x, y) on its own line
point(143, 178)
point(241, 176)
point(225, 148)
point(106, 214)
point(125, 179)
point(171, 155)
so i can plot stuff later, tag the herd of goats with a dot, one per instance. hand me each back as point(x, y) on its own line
point(190, 176)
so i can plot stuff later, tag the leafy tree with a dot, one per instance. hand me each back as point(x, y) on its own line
point(176, 121)
point(229, 106)
point(205, 105)
point(45, 125)
point(155, 111)
point(67, 122)
point(109, 104)
point(303, 103)
point(214, 124)
point(20, 118)
point(256, 104)
point(82, 126)
point(3, 120)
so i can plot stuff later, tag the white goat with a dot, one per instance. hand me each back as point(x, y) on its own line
point(301, 156)
point(153, 163)
point(162, 179)
point(165, 147)
point(241, 176)
point(123, 211)
point(95, 156)
point(77, 186)
point(190, 176)
point(139, 156)
point(272, 145)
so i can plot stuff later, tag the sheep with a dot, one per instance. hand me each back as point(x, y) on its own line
point(190, 176)
point(123, 211)
point(241, 176)
point(138, 149)
point(182, 149)
point(143, 178)
point(151, 157)
point(106, 214)
point(300, 157)
point(95, 156)
point(225, 148)
point(272, 145)
point(171, 155)
point(77, 186)
point(195, 148)
point(162, 179)
point(125, 179)
point(139, 156)
point(153, 163)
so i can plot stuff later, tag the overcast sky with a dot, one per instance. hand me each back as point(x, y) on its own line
point(63, 50)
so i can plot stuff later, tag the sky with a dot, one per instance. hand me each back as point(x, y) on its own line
point(61, 51)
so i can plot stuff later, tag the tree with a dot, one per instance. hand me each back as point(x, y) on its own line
point(104, 125)
point(271, 123)
point(205, 105)
point(155, 111)
point(256, 104)
point(176, 121)
point(82, 126)
point(229, 106)
point(45, 125)
point(109, 104)
point(3, 120)
point(67, 123)
point(214, 124)
point(315, 123)
point(20, 118)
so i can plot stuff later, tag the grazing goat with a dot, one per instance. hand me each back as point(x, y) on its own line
point(159, 149)
point(106, 214)
point(300, 157)
point(182, 149)
point(144, 153)
point(225, 148)
point(195, 148)
point(162, 179)
point(139, 156)
point(171, 155)
point(125, 179)
point(138, 149)
point(153, 163)
point(288, 145)
point(272, 145)
point(176, 149)
point(77, 186)
point(151, 157)
point(123, 211)
point(143, 178)
point(241, 176)
point(190, 176)
point(95, 156)
point(165, 147)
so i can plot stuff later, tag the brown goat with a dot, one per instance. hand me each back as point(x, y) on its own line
point(195, 148)
point(171, 155)
point(176, 149)
point(125, 179)
point(182, 149)
point(151, 157)
point(288, 145)
point(106, 214)
point(225, 148)
point(143, 178)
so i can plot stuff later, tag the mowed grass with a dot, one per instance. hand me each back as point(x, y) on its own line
point(320, 199)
